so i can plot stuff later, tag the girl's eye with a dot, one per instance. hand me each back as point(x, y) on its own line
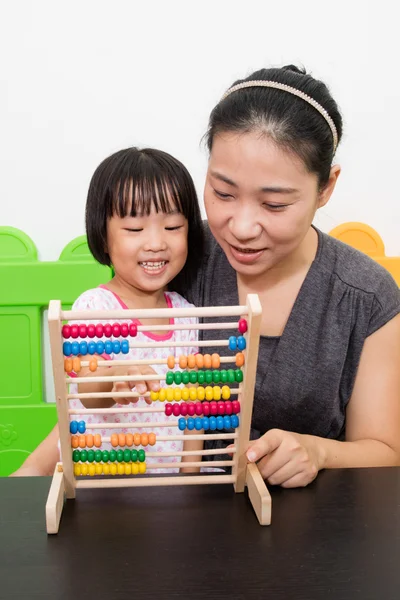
point(174, 228)
point(222, 195)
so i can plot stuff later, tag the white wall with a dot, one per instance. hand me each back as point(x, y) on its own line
point(81, 79)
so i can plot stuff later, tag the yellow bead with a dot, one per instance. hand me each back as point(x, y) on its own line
point(142, 467)
point(84, 469)
point(209, 393)
point(92, 469)
point(154, 396)
point(201, 393)
point(193, 393)
point(113, 469)
point(177, 394)
point(99, 469)
point(170, 394)
point(77, 469)
point(135, 468)
point(226, 392)
point(128, 468)
point(185, 393)
point(162, 395)
point(106, 469)
point(121, 468)
point(217, 392)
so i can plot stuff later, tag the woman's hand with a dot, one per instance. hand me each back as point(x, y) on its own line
point(141, 387)
point(287, 459)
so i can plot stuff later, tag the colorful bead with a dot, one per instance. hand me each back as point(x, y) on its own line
point(206, 424)
point(198, 408)
point(99, 469)
point(116, 346)
point(183, 361)
point(106, 469)
point(90, 456)
point(91, 330)
point(93, 365)
point(125, 347)
point(73, 427)
point(74, 441)
point(113, 469)
point(184, 409)
point(98, 455)
point(215, 376)
point(89, 440)
point(185, 394)
point(169, 378)
point(116, 330)
point(84, 455)
point(221, 407)
point(177, 377)
point(144, 439)
point(83, 347)
point(127, 455)
point(81, 426)
point(82, 441)
point(234, 421)
point(134, 455)
point(190, 423)
point(241, 342)
point(66, 331)
point(128, 469)
point(168, 409)
point(77, 470)
point(177, 394)
point(142, 468)
point(239, 359)
point(198, 423)
point(113, 455)
point(162, 395)
point(154, 396)
point(231, 376)
point(235, 406)
point(207, 361)
point(75, 348)
point(97, 440)
point(226, 392)
point(201, 393)
point(191, 410)
point(92, 347)
point(82, 331)
point(228, 407)
point(74, 331)
point(242, 325)
point(76, 456)
point(185, 377)
point(136, 439)
point(169, 394)
point(227, 422)
point(105, 456)
point(133, 329)
point(213, 423)
point(121, 469)
point(216, 392)
point(121, 439)
point(193, 393)
point(141, 455)
point(201, 377)
point(209, 393)
point(108, 347)
point(220, 423)
point(135, 468)
point(208, 376)
point(76, 364)
point(199, 361)
point(182, 424)
point(120, 455)
point(239, 375)
point(84, 469)
point(99, 330)
point(100, 347)
point(215, 360)
point(171, 361)
point(232, 343)
point(114, 440)
point(107, 330)
point(176, 410)
point(124, 330)
point(129, 439)
point(193, 377)
point(206, 408)
point(191, 361)
point(152, 439)
point(67, 348)
point(223, 376)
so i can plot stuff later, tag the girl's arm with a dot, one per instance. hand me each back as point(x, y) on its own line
point(43, 460)
point(194, 445)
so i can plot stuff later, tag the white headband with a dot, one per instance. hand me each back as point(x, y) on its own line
point(295, 92)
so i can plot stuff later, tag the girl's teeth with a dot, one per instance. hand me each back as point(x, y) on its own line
point(153, 265)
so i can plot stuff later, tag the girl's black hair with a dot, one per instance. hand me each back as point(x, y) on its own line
point(131, 182)
point(289, 121)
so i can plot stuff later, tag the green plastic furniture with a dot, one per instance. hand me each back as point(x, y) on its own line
point(26, 287)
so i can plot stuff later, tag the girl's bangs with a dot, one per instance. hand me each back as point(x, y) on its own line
point(137, 197)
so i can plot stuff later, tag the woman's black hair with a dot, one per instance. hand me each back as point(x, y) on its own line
point(131, 182)
point(289, 121)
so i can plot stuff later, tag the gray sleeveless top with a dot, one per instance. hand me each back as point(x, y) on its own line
point(305, 377)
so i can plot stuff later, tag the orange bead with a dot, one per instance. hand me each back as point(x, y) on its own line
point(136, 439)
point(114, 440)
point(129, 439)
point(183, 361)
point(68, 365)
point(144, 439)
point(97, 440)
point(82, 441)
point(207, 361)
point(74, 441)
point(239, 359)
point(93, 364)
point(89, 440)
point(199, 361)
point(215, 361)
point(76, 364)
point(171, 361)
point(191, 361)
point(121, 439)
point(152, 439)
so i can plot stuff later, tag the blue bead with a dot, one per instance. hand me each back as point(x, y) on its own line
point(81, 426)
point(241, 342)
point(67, 349)
point(83, 348)
point(117, 347)
point(125, 347)
point(92, 347)
point(73, 427)
point(75, 348)
point(206, 423)
point(232, 343)
point(227, 422)
point(198, 423)
point(182, 424)
point(220, 422)
point(190, 423)
point(108, 347)
point(213, 423)
point(100, 347)
point(234, 421)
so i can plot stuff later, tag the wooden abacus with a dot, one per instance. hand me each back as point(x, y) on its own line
point(66, 478)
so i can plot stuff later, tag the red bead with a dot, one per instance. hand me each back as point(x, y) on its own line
point(242, 325)
point(107, 330)
point(99, 330)
point(221, 407)
point(133, 329)
point(213, 408)
point(235, 406)
point(116, 330)
point(206, 409)
point(184, 409)
point(91, 330)
point(66, 331)
point(190, 409)
point(228, 407)
point(124, 329)
point(168, 409)
point(176, 410)
point(82, 331)
point(74, 331)
point(198, 408)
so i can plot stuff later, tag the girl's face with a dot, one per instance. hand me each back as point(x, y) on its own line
point(147, 251)
point(260, 201)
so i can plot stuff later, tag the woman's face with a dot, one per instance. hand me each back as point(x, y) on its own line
point(260, 201)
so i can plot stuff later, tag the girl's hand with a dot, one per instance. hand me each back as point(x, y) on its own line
point(139, 386)
point(287, 459)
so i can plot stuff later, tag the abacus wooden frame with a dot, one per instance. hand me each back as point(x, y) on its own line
point(64, 483)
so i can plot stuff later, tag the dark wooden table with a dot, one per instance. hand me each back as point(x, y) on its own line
point(337, 539)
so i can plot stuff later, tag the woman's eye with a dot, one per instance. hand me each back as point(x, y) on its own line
point(275, 207)
point(133, 230)
point(222, 195)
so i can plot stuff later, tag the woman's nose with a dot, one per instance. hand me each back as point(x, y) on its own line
point(244, 224)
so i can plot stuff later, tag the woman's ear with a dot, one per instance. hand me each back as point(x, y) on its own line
point(327, 191)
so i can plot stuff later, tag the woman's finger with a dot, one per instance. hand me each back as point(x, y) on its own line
point(266, 444)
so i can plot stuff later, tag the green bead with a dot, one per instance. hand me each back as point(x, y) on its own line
point(105, 456)
point(231, 376)
point(223, 375)
point(193, 377)
point(113, 455)
point(178, 377)
point(169, 378)
point(76, 456)
point(120, 455)
point(90, 455)
point(200, 377)
point(134, 454)
point(216, 377)
point(239, 375)
point(98, 455)
point(141, 455)
point(127, 455)
point(208, 376)
point(185, 377)
point(83, 455)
